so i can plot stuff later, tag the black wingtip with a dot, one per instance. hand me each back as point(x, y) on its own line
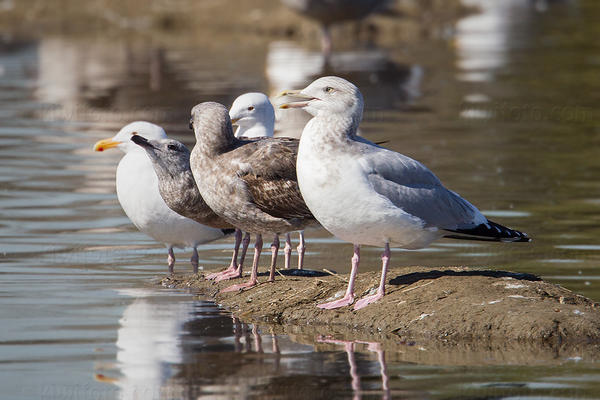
point(490, 231)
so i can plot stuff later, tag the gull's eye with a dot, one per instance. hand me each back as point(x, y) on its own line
point(172, 147)
point(192, 123)
point(329, 89)
point(250, 108)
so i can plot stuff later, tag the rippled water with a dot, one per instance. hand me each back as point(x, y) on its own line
point(503, 108)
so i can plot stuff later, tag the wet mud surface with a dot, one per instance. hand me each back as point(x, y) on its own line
point(464, 315)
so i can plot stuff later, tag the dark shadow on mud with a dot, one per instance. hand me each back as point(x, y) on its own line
point(411, 278)
point(307, 273)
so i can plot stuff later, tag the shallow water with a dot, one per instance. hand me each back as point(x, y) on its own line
point(502, 107)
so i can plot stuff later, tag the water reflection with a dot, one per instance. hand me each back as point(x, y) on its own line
point(148, 345)
point(349, 348)
point(76, 73)
point(100, 81)
point(173, 347)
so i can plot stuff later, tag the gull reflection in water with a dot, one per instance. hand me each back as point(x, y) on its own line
point(171, 345)
point(148, 343)
point(349, 348)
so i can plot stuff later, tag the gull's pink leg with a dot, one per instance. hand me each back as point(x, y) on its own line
point(233, 266)
point(237, 334)
point(245, 244)
point(247, 342)
point(376, 348)
point(253, 276)
point(171, 259)
point(301, 248)
point(287, 250)
point(349, 348)
point(194, 260)
point(274, 251)
point(275, 344)
point(225, 275)
point(326, 41)
point(237, 272)
point(385, 261)
point(349, 296)
point(383, 371)
point(257, 339)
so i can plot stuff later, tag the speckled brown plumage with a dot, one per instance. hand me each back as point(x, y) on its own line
point(252, 184)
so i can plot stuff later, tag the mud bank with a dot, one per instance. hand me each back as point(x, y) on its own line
point(455, 304)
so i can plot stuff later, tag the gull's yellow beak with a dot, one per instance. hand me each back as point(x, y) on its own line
point(105, 144)
point(296, 94)
point(289, 93)
point(234, 120)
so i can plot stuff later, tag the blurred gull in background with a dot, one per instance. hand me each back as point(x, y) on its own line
point(330, 12)
point(386, 83)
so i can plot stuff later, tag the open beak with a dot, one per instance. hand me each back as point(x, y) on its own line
point(141, 141)
point(234, 120)
point(302, 99)
point(289, 93)
point(105, 144)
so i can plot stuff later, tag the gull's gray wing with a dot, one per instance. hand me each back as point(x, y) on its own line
point(409, 185)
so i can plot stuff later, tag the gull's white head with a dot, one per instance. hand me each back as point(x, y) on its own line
point(254, 115)
point(122, 140)
point(330, 95)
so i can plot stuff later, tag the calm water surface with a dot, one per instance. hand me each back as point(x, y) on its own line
point(502, 106)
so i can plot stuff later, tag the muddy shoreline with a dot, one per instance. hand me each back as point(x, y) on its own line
point(456, 310)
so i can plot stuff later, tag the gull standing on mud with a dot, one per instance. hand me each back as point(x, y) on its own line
point(171, 162)
point(251, 184)
point(138, 194)
point(366, 194)
point(254, 115)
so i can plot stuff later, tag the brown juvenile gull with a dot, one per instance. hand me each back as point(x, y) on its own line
point(366, 194)
point(171, 162)
point(137, 191)
point(329, 12)
point(254, 115)
point(250, 183)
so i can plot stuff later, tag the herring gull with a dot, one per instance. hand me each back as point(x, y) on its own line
point(137, 191)
point(250, 183)
point(171, 162)
point(254, 115)
point(366, 194)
